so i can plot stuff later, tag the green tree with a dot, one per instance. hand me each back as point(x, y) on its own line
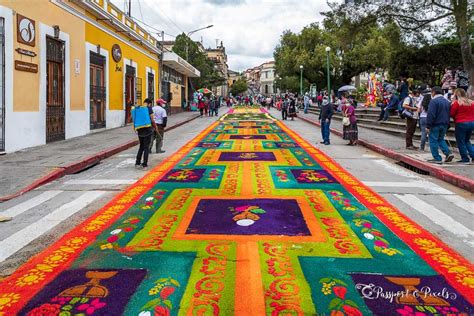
point(210, 76)
point(354, 49)
point(418, 17)
point(426, 63)
point(239, 86)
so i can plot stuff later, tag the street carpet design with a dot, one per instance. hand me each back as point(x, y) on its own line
point(245, 219)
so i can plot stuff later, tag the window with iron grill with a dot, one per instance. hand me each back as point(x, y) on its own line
point(138, 91)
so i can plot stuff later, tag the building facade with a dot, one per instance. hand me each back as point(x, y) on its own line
point(219, 57)
point(261, 79)
point(267, 78)
point(70, 67)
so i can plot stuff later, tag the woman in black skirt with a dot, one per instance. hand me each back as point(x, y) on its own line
point(292, 109)
point(350, 132)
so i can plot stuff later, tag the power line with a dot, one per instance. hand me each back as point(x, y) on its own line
point(163, 15)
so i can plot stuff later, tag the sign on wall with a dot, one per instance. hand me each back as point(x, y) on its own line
point(24, 66)
point(26, 30)
point(116, 53)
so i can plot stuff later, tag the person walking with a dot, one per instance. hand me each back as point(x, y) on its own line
point(410, 112)
point(143, 124)
point(161, 119)
point(292, 109)
point(437, 124)
point(284, 108)
point(201, 105)
point(325, 115)
point(423, 110)
point(462, 111)
point(306, 103)
point(350, 132)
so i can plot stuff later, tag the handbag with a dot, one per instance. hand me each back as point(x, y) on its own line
point(345, 119)
point(406, 113)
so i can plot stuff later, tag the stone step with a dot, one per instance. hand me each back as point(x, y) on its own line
point(394, 126)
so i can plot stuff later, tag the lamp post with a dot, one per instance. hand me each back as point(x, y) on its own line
point(189, 34)
point(301, 80)
point(328, 49)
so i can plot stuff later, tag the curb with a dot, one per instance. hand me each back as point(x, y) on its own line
point(437, 172)
point(83, 164)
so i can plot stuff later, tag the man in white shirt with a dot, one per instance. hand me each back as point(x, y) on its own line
point(160, 118)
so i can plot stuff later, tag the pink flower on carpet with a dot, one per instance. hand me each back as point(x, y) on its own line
point(92, 307)
point(380, 244)
point(406, 310)
point(242, 208)
point(161, 311)
point(166, 291)
point(368, 225)
point(340, 291)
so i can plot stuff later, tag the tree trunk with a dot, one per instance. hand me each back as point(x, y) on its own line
point(460, 15)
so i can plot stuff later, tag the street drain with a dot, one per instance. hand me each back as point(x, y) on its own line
point(413, 168)
point(87, 168)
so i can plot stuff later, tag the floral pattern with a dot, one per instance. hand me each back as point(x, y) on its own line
point(160, 304)
point(246, 215)
point(380, 244)
point(68, 306)
point(339, 305)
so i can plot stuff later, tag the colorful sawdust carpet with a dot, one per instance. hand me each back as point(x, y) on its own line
point(250, 219)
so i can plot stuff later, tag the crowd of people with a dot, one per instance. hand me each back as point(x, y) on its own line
point(432, 110)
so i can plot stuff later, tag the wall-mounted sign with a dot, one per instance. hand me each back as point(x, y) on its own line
point(116, 53)
point(77, 66)
point(24, 66)
point(25, 52)
point(26, 31)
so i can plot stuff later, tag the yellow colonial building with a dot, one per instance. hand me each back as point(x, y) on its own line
point(70, 67)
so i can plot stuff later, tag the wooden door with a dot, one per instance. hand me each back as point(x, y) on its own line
point(129, 92)
point(55, 109)
point(97, 91)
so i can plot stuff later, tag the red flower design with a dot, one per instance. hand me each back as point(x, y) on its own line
point(340, 291)
point(46, 310)
point(161, 311)
point(166, 291)
point(368, 225)
point(351, 311)
point(128, 229)
point(337, 313)
point(134, 221)
point(112, 238)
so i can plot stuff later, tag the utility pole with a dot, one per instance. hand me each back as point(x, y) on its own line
point(130, 8)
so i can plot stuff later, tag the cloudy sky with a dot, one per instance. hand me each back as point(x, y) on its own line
point(249, 29)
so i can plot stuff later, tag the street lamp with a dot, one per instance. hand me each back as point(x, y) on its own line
point(328, 49)
point(189, 34)
point(301, 80)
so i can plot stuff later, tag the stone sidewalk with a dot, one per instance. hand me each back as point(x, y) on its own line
point(25, 169)
point(390, 143)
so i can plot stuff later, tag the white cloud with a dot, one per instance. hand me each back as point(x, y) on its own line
point(249, 29)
